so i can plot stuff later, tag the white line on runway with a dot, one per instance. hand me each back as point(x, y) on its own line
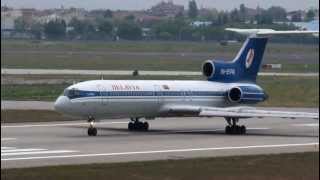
point(162, 151)
point(307, 125)
point(36, 152)
point(5, 148)
point(60, 124)
point(8, 139)
point(20, 150)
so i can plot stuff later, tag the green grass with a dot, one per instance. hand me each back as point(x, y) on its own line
point(31, 92)
point(162, 55)
point(282, 91)
point(296, 166)
point(146, 46)
point(290, 91)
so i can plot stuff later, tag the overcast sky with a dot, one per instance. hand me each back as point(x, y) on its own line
point(145, 4)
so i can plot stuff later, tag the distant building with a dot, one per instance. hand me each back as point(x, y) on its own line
point(167, 9)
point(200, 23)
point(65, 14)
point(8, 17)
point(296, 16)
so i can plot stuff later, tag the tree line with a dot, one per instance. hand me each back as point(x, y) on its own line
point(180, 27)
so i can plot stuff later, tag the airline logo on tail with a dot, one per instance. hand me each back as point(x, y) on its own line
point(250, 57)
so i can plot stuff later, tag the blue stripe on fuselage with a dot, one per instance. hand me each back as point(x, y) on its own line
point(83, 94)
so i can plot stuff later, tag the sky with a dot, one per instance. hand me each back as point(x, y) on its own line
point(146, 4)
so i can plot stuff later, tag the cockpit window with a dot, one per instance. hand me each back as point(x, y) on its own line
point(71, 93)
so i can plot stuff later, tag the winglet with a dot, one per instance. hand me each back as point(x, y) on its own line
point(268, 32)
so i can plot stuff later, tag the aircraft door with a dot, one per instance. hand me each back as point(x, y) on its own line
point(189, 95)
point(103, 95)
point(157, 94)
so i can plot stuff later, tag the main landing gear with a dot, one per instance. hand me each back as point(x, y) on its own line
point(233, 128)
point(136, 125)
point(92, 131)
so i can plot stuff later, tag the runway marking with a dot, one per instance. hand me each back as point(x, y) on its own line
point(161, 151)
point(4, 148)
point(36, 152)
point(20, 150)
point(8, 139)
point(307, 125)
point(60, 124)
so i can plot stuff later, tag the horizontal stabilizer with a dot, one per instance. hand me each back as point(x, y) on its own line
point(266, 32)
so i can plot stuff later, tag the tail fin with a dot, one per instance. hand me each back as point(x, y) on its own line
point(245, 66)
point(249, 58)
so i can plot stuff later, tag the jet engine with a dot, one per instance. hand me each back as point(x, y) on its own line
point(246, 94)
point(208, 68)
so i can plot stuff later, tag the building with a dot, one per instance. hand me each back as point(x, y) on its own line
point(168, 9)
point(296, 16)
point(200, 23)
point(8, 16)
point(66, 14)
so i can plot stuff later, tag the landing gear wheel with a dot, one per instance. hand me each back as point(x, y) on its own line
point(130, 126)
point(228, 130)
point(145, 126)
point(136, 125)
point(243, 130)
point(92, 131)
point(235, 130)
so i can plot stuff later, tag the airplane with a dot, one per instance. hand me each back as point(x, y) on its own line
point(229, 89)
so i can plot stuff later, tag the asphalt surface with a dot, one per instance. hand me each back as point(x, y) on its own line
point(57, 143)
point(120, 72)
point(27, 105)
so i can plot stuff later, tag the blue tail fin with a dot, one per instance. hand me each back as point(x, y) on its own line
point(245, 66)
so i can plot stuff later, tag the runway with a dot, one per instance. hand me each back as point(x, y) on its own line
point(57, 143)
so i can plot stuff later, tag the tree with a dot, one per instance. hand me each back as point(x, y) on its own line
point(235, 15)
point(193, 9)
point(55, 29)
point(310, 15)
point(130, 17)
point(20, 24)
point(243, 13)
point(129, 30)
point(108, 14)
point(37, 29)
point(264, 17)
point(223, 18)
point(82, 29)
point(277, 13)
point(105, 27)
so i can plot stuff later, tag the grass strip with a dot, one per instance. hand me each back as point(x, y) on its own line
point(295, 166)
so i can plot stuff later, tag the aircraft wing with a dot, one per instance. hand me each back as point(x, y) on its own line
point(264, 32)
point(238, 112)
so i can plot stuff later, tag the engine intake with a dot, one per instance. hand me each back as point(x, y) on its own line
point(208, 69)
point(246, 94)
point(235, 94)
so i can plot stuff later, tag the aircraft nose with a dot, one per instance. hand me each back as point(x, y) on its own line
point(62, 104)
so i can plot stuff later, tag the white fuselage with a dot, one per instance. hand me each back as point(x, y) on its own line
point(139, 98)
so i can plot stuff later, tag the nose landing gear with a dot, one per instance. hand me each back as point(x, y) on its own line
point(233, 128)
point(136, 125)
point(92, 131)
